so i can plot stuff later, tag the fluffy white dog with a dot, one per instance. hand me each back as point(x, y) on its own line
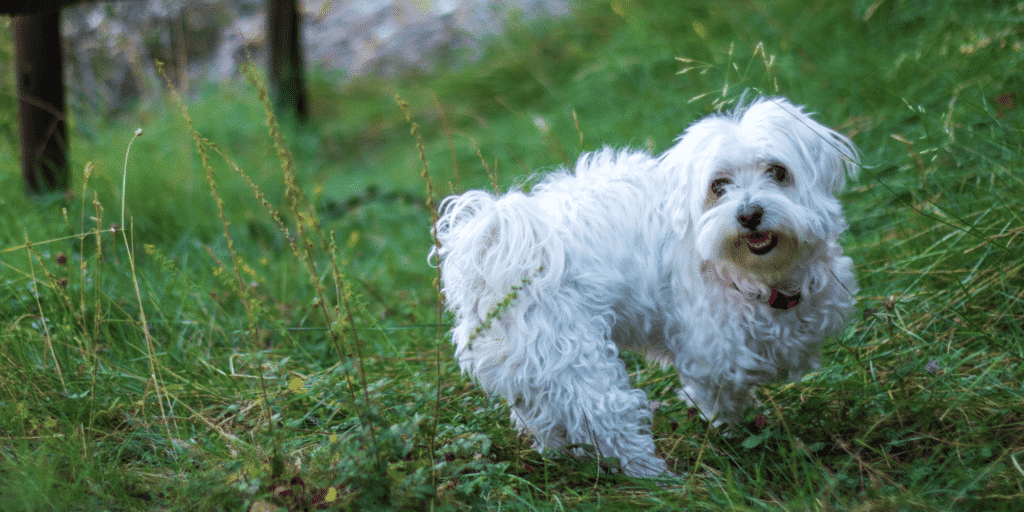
point(719, 256)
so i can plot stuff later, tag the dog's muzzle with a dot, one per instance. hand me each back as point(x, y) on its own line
point(759, 242)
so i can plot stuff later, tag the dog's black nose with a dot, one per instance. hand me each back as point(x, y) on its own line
point(749, 216)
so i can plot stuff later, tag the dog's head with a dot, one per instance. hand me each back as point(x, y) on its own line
point(758, 188)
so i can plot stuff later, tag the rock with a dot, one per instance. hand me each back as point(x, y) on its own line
point(111, 47)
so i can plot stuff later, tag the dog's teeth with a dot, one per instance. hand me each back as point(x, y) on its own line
point(760, 241)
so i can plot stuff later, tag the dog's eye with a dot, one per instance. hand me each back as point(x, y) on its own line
point(777, 173)
point(718, 186)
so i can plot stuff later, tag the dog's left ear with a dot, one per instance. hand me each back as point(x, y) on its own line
point(830, 154)
point(836, 156)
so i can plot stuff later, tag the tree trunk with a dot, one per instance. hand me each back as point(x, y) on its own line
point(40, 80)
point(284, 57)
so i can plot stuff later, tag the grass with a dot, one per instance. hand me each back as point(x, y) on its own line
point(262, 329)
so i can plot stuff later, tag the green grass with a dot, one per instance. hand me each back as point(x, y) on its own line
point(234, 347)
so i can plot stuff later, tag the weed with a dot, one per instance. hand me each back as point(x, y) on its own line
point(278, 339)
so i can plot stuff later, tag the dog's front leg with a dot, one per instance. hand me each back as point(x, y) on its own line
point(720, 403)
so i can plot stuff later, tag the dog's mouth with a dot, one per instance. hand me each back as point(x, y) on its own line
point(761, 242)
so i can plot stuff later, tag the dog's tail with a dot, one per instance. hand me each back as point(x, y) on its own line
point(492, 247)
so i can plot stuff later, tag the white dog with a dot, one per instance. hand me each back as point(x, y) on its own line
point(719, 256)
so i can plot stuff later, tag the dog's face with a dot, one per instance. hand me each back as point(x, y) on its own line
point(759, 188)
point(750, 218)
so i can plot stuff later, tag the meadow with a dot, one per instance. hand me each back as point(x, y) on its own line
point(235, 311)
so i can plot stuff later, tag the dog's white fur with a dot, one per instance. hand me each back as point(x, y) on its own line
point(661, 255)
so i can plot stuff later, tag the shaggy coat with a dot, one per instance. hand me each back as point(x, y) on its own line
point(719, 256)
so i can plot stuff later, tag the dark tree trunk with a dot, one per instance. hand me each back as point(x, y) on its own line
point(40, 81)
point(284, 57)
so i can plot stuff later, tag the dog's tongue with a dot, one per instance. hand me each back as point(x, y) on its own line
point(759, 238)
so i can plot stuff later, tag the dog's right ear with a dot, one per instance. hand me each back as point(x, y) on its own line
point(688, 168)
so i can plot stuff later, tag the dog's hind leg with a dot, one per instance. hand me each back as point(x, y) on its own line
point(577, 392)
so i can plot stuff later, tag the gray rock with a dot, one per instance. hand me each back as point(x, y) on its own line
point(111, 47)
